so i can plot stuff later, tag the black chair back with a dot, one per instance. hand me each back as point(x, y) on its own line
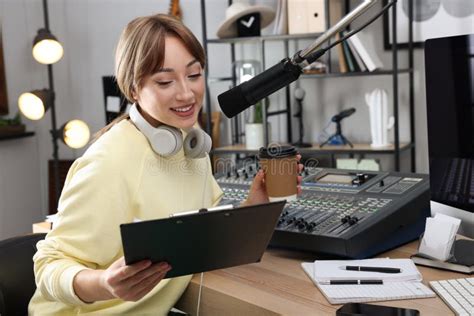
point(17, 280)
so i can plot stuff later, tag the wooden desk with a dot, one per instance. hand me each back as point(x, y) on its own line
point(278, 285)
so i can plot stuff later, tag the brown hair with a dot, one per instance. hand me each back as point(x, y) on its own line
point(141, 50)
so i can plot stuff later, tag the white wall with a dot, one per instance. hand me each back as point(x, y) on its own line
point(89, 30)
point(20, 193)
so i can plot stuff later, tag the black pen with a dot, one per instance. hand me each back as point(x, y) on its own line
point(373, 269)
point(351, 282)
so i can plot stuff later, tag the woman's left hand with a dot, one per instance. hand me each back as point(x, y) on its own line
point(258, 192)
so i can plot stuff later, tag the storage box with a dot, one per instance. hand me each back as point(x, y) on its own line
point(306, 16)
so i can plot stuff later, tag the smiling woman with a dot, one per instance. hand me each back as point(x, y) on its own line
point(133, 171)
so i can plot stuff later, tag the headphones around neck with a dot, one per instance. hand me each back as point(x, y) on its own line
point(166, 140)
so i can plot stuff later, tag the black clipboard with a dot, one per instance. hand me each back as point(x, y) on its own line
point(203, 241)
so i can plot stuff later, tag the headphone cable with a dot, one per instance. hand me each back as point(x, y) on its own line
point(199, 294)
point(202, 205)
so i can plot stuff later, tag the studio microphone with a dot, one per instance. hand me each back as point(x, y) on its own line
point(248, 93)
point(338, 117)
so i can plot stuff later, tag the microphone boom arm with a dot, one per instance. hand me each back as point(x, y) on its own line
point(288, 70)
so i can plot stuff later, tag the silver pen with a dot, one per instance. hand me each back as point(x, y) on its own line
point(351, 282)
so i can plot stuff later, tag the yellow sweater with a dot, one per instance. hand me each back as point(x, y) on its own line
point(118, 180)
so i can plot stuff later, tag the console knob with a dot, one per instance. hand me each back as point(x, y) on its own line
point(362, 177)
point(291, 220)
point(353, 220)
point(345, 219)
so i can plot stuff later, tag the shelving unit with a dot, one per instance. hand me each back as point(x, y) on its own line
point(16, 136)
point(396, 149)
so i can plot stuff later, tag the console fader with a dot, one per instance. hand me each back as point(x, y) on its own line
point(344, 213)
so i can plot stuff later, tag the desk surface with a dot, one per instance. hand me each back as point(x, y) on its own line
point(278, 285)
point(327, 149)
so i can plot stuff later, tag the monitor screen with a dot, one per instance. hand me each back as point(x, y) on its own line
point(336, 178)
point(449, 69)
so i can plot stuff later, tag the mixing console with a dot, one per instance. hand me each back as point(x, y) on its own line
point(344, 213)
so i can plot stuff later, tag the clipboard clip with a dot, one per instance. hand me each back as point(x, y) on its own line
point(204, 210)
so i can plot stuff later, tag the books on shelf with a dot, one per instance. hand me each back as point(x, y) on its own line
point(356, 54)
point(348, 57)
point(395, 286)
point(362, 45)
point(340, 54)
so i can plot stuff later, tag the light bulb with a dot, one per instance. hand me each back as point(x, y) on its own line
point(31, 106)
point(76, 134)
point(47, 51)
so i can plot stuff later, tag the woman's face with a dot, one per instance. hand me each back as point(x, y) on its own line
point(173, 95)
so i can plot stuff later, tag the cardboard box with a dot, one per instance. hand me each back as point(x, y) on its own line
point(306, 16)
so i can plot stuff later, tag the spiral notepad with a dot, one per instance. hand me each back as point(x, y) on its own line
point(340, 294)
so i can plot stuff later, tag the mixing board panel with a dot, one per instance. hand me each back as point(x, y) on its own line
point(344, 213)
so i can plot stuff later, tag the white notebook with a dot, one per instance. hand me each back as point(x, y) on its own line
point(392, 290)
point(325, 270)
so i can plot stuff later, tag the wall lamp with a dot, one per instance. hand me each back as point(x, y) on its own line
point(46, 48)
point(34, 104)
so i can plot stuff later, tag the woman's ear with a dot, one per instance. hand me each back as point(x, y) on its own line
point(134, 93)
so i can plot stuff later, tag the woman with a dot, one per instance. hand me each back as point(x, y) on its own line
point(79, 267)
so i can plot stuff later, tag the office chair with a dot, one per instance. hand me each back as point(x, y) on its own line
point(17, 280)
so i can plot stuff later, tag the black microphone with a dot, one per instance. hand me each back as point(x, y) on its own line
point(338, 117)
point(240, 97)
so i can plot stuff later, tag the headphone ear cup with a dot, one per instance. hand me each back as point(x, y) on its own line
point(166, 141)
point(197, 143)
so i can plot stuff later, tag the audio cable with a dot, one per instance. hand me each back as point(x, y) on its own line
point(202, 204)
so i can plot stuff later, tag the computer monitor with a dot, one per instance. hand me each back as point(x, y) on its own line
point(449, 71)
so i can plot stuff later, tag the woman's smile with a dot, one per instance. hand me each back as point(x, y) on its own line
point(184, 111)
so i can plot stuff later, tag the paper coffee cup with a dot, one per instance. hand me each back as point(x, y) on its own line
point(281, 172)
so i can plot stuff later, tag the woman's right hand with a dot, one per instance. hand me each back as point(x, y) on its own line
point(129, 283)
point(132, 282)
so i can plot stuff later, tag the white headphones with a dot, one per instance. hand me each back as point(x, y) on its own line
point(167, 140)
